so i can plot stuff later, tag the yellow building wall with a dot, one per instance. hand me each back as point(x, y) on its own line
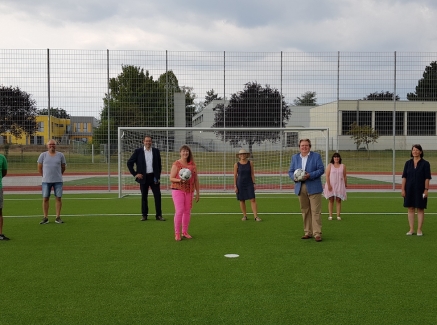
point(58, 130)
point(81, 128)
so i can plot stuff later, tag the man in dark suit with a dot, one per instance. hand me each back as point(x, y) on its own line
point(309, 188)
point(148, 174)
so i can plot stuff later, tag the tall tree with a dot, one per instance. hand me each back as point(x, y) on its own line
point(169, 84)
point(56, 112)
point(254, 107)
point(307, 99)
point(426, 89)
point(17, 112)
point(135, 99)
point(380, 96)
point(210, 96)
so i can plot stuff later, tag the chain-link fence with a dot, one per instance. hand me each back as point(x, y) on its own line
point(376, 106)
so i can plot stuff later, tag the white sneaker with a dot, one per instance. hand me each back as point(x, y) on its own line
point(330, 218)
point(338, 218)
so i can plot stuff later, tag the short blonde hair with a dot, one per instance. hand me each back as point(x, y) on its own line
point(307, 140)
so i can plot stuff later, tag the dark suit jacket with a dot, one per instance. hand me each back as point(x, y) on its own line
point(139, 160)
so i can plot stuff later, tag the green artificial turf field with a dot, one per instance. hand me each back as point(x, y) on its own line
point(104, 266)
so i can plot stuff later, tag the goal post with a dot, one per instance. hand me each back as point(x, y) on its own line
point(214, 151)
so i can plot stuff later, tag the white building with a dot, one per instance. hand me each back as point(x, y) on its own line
point(415, 122)
point(300, 118)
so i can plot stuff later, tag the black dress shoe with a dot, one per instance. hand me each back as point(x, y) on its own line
point(144, 219)
point(160, 219)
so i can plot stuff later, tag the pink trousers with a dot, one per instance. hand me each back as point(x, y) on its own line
point(183, 203)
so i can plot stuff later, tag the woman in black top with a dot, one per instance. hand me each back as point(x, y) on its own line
point(415, 184)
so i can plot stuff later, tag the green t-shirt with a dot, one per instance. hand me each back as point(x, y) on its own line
point(3, 166)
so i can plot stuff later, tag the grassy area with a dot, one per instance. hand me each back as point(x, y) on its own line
point(104, 266)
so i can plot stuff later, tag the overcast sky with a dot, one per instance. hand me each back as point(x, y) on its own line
point(205, 25)
point(310, 32)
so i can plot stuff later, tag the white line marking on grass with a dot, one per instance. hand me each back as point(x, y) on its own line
point(217, 213)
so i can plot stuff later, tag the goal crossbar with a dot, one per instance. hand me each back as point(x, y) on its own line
point(214, 151)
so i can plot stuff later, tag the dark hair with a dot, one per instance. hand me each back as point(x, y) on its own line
point(147, 136)
point(335, 155)
point(307, 140)
point(419, 147)
point(190, 155)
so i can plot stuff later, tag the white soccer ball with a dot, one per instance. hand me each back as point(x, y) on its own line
point(299, 174)
point(185, 174)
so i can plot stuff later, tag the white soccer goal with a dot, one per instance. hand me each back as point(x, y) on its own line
point(214, 153)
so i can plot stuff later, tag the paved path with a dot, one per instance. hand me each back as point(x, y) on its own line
point(382, 178)
point(26, 181)
point(36, 180)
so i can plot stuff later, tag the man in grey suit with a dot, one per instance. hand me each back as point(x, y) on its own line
point(147, 174)
point(309, 188)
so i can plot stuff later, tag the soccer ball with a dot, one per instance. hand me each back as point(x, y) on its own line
point(185, 174)
point(299, 174)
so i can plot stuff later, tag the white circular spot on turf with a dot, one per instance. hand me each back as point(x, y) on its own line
point(231, 255)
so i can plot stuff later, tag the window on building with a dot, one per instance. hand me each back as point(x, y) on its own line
point(292, 139)
point(198, 120)
point(39, 140)
point(76, 127)
point(421, 123)
point(85, 127)
point(384, 123)
point(40, 126)
point(360, 117)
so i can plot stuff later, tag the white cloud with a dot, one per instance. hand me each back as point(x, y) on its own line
point(233, 26)
point(311, 25)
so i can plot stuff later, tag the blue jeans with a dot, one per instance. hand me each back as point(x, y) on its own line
point(47, 187)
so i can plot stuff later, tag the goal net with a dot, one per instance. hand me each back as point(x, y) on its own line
point(214, 151)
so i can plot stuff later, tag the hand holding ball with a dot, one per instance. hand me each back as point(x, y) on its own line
point(185, 174)
point(299, 174)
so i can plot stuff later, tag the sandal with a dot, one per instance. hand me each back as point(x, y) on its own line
point(244, 218)
point(257, 219)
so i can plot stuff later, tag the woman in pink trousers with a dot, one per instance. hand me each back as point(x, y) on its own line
point(183, 191)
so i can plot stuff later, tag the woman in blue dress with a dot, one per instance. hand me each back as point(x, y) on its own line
point(415, 185)
point(244, 183)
